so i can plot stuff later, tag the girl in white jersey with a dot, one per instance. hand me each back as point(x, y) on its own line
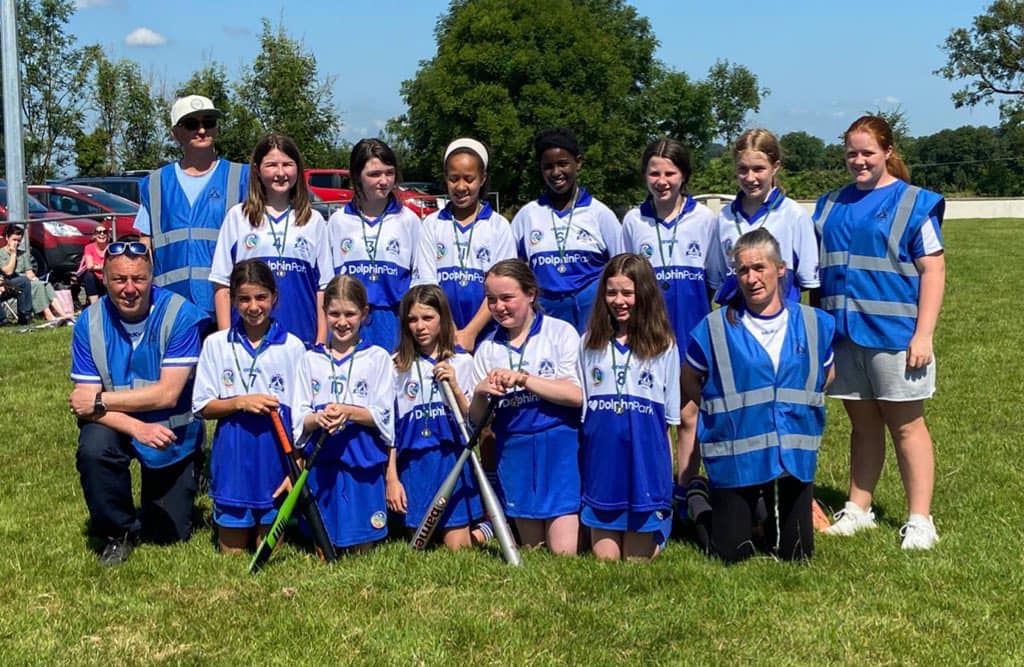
point(352, 397)
point(530, 366)
point(760, 203)
point(630, 367)
point(243, 374)
point(374, 238)
point(463, 240)
point(678, 237)
point(276, 224)
point(427, 443)
point(565, 235)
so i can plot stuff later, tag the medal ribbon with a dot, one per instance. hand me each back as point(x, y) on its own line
point(279, 241)
point(562, 241)
point(334, 377)
point(620, 384)
point(363, 221)
point(469, 243)
point(264, 344)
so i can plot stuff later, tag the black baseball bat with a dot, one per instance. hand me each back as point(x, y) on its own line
point(306, 501)
point(273, 538)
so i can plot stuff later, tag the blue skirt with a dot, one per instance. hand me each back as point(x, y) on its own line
point(351, 501)
point(422, 471)
point(573, 308)
point(539, 473)
point(658, 522)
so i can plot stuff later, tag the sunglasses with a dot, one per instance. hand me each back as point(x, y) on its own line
point(130, 248)
point(101, 232)
point(192, 124)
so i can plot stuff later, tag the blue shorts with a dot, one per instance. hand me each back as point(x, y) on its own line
point(381, 328)
point(658, 522)
point(539, 473)
point(351, 501)
point(230, 516)
point(422, 471)
point(573, 308)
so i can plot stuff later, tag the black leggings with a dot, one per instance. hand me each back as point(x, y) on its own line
point(788, 529)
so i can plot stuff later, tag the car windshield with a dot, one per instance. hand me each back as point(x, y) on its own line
point(114, 203)
point(34, 205)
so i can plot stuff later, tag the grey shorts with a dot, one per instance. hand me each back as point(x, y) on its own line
point(864, 373)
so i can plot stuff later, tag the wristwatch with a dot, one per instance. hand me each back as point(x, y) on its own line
point(98, 408)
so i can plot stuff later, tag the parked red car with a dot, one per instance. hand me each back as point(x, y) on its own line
point(56, 245)
point(81, 200)
point(334, 185)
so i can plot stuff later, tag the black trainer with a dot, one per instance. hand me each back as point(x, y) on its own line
point(117, 551)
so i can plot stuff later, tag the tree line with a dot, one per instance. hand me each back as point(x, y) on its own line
point(501, 72)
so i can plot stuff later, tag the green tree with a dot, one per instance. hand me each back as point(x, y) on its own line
point(802, 151)
point(734, 93)
point(504, 70)
point(54, 74)
point(990, 55)
point(283, 91)
point(129, 133)
point(683, 109)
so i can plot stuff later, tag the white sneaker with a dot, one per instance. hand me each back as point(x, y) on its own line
point(919, 532)
point(851, 519)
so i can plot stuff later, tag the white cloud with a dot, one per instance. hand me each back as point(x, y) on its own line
point(91, 4)
point(144, 37)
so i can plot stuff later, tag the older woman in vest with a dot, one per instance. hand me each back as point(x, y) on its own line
point(758, 368)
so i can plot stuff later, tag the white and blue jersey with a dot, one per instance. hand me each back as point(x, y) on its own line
point(550, 351)
point(381, 253)
point(364, 378)
point(567, 250)
point(456, 257)
point(299, 256)
point(420, 406)
point(791, 226)
point(247, 463)
point(680, 251)
point(626, 456)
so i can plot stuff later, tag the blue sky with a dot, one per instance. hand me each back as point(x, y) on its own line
point(825, 62)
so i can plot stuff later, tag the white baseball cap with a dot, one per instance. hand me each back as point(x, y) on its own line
point(192, 104)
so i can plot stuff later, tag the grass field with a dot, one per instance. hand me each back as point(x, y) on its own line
point(862, 600)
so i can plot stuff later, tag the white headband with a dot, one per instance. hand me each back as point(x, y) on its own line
point(471, 144)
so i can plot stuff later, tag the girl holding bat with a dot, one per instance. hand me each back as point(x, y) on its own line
point(427, 443)
point(529, 365)
point(630, 364)
point(352, 396)
point(244, 373)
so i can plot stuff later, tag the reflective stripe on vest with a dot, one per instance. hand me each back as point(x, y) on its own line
point(177, 275)
point(889, 264)
point(98, 350)
point(732, 400)
point(155, 209)
point(185, 234)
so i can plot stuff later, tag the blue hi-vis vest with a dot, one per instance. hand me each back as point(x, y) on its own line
point(870, 283)
point(184, 235)
point(108, 337)
point(757, 424)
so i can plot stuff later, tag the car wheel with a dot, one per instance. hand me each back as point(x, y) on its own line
point(42, 268)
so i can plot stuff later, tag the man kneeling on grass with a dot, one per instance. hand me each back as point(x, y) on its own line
point(133, 357)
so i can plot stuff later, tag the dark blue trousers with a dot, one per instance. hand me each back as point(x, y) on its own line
point(165, 513)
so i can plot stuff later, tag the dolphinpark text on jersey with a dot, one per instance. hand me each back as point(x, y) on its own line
point(620, 405)
point(365, 268)
point(676, 273)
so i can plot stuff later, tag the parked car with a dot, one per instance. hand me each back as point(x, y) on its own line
point(322, 207)
point(56, 245)
point(79, 200)
point(335, 186)
point(125, 186)
point(436, 190)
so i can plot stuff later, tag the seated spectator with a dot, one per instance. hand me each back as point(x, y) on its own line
point(37, 296)
point(90, 272)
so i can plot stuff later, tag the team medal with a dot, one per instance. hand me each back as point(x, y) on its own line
point(618, 408)
point(280, 273)
point(373, 277)
point(425, 432)
point(280, 242)
point(464, 282)
point(664, 286)
point(561, 268)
